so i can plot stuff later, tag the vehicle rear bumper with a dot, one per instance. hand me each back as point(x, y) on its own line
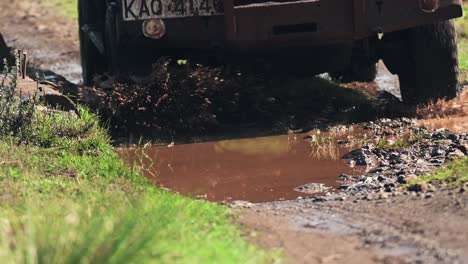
point(270, 26)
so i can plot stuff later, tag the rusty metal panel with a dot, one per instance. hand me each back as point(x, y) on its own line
point(257, 23)
point(229, 20)
point(401, 14)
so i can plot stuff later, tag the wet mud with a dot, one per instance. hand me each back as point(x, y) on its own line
point(256, 169)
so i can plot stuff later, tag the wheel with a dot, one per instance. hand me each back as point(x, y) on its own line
point(5, 53)
point(360, 70)
point(426, 61)
point(91, 59)
point(112, 39)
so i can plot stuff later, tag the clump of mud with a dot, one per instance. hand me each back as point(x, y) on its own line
point(178, 99)
point(181, 99)
point(189, 99)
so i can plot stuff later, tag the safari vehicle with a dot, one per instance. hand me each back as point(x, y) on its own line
point(416, 39)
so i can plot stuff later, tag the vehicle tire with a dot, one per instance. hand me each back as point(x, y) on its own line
point(91, 59)
point(426, 61)
point(112, 39)
point(360, 70)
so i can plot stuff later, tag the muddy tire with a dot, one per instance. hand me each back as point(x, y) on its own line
point(91, 59)
point(358, 71)
point(112, 40)
point(426, 61)
point(5, 53)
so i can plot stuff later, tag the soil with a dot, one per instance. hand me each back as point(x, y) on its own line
point(50, 40)
point(395, 227)
point(403, 229)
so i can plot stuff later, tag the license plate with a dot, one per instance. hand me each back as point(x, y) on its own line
point(145, 9)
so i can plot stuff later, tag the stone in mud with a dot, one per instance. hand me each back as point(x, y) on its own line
point(345, 177)
point(453, 137)
point(343, 187)
point(361, 157)
point(389, 187)
point(457, 153)
point(312, 188)
point(401, 179)
point(464, 188)
point(464, 148)
point(419, 187)
point(240, 204)
point(438, 152)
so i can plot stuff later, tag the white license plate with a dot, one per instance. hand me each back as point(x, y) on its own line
point(145, 9)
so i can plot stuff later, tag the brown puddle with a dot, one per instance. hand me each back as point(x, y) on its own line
point(254, 169)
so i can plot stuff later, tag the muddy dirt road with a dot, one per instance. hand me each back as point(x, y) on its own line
point(341, 227)
point(50, 39)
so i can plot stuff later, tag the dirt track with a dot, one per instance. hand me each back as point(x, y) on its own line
point(405, 229)
point(50, 39)
point(394, 230)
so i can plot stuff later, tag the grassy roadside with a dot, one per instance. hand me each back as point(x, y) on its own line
point(462, 31)
point(65, 197)
point(455, 174)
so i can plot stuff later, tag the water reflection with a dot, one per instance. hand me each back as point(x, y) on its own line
point(253, 169)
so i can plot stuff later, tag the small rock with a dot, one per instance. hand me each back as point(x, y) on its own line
point(361, 157)
point(419, 187)
point(464, 188)
point(240, 204)
point(458, 153)
point(320, 199)
point(345, 177)
point(312, 188)
point(343, 187)
point(402, 179)
point(452, 137)
point(383, 196)
point(464, 149)
point(428, 195)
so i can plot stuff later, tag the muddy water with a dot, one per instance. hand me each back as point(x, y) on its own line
point(254, 169)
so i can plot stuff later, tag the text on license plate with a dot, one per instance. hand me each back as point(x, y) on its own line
point(145, 9)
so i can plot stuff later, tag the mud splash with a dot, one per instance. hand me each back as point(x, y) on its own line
point(458, 124)
point(451, 115)
point(254, 169)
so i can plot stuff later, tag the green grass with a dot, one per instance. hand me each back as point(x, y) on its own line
point(462, 31)
point(455, 174)
point(66, 197)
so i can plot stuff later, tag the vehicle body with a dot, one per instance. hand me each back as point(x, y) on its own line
point(332, 34)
